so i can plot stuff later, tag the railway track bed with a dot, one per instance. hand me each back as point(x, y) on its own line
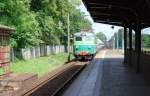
point(54, 83)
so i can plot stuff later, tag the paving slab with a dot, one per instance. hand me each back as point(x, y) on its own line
point(86, 83)
point(106, 75)
point(119, 80)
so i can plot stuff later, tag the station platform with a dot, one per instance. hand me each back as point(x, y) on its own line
point(106, 75)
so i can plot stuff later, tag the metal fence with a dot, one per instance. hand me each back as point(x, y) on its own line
point(37, 51)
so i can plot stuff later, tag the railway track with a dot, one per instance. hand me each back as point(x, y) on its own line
point(58, 82)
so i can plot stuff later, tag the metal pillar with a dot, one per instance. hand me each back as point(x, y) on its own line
point(117, 40)
point(125, 44)
point(122, 41)
point(138, 45)
point(130, 46)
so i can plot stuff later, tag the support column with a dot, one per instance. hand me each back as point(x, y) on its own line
point(122, 41)
point(125, 45)
point(117, 40)
point(130, 46)
point(138, 45)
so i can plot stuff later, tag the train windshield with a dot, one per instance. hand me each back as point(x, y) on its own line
point(84, 38)
point(88, 38)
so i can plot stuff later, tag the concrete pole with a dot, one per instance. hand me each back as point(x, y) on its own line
point(68, 35)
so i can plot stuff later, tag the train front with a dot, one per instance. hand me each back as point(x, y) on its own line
point(84, 45)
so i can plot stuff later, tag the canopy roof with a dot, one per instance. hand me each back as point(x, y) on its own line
point(120, 12)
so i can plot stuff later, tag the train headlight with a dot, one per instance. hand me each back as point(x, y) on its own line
point(77, 47)
point(89, 47)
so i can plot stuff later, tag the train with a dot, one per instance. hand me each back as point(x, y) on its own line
point(84, 45)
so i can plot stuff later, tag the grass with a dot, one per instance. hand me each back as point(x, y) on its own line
point(39, 65)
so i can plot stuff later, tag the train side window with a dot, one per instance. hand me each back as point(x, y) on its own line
point(78, 38)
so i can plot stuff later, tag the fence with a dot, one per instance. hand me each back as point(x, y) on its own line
point(38, 51)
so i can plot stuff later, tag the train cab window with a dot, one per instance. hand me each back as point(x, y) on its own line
point(78, 38)
point(87, 38)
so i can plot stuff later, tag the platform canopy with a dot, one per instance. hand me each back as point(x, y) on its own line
point(120, 12)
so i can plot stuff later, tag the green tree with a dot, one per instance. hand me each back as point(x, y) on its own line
point(78, 21)
point(16, 13)
point(101, 36)
point(145, 41)
point(40, 21)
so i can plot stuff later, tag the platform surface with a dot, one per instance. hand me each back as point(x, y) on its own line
point(108, 76)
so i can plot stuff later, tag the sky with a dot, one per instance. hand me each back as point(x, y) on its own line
point(99, 27)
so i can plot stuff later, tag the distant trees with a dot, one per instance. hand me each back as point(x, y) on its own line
point(40, 21)
point(102, 37)
point(16, 13)
point(119, 37)
point(145, 41)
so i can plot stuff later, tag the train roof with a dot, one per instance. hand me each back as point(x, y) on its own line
point(84, 34)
